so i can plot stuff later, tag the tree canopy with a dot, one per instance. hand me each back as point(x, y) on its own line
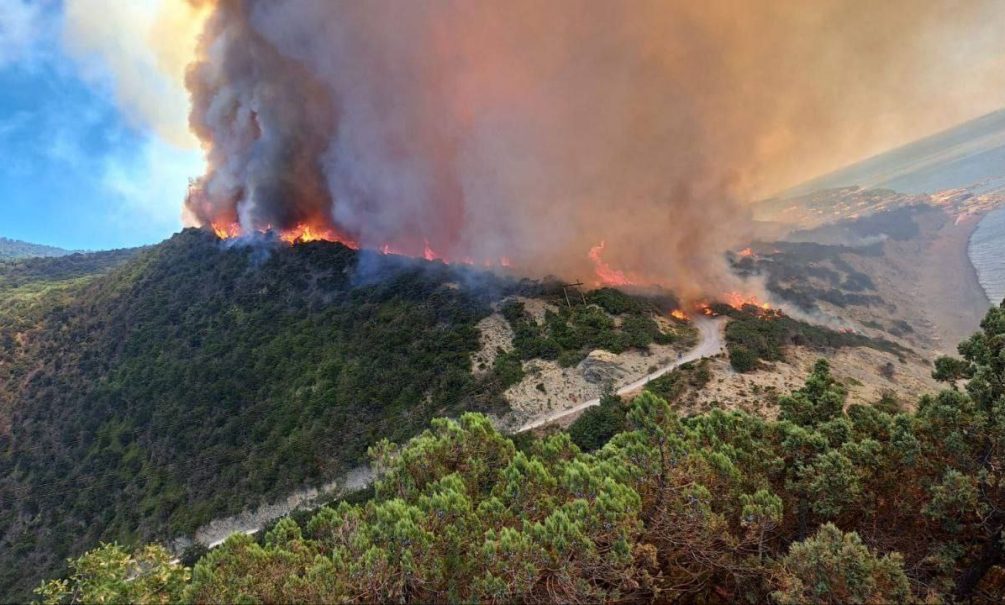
point(825, 504)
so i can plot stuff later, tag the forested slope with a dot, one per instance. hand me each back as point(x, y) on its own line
point(197, 379)
point(12, 249)
point(824, 504)
point(144, 393)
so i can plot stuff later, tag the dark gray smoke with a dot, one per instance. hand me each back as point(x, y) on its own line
point(535, 130)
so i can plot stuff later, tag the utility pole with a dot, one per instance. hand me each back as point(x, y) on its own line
point(576, 285)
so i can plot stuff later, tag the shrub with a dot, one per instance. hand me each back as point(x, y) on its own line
point(835, 567)
point(598, 424)
point(742, 359)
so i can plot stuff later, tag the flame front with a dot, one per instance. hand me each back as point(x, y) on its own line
point(608, 275)
point(226, 230)
point(306, 233)
point(299, 234)
point(738, 300)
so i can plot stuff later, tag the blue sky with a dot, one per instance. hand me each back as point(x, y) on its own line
point(75, 170)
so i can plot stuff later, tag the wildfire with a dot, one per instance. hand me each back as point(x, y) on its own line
point(226, 230)
point(737, 300)
point(309, 233)
point(428, 253)
point(705, 309)
point(299, 234)
point(746, 252)
point(679, 314)
point(608, 275)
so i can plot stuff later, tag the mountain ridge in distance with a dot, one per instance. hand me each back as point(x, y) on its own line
point(13, 249)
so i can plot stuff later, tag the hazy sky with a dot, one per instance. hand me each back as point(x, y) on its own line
point(77, 171)
point(93, 113)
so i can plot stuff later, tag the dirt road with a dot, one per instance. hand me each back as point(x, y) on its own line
point(710, 343)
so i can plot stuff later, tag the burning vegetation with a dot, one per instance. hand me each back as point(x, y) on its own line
point(357, 122)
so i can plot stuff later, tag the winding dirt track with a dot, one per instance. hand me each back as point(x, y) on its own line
point(710, 343)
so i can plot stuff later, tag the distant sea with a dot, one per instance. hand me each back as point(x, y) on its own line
point(987, 253)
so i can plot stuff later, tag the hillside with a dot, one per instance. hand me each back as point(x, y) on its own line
point(190, 382)
point(901, 273)
point(144, 393)
point(12, 249)
point(638, 503)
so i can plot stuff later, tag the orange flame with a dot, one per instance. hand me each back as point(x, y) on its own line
point(226, 230)
point(746, 252)
point(299, 234)
point(609, 276)
point(679, 315)
point(428, 253)
point(309, 233)
point(705, 309)
point(738, 300)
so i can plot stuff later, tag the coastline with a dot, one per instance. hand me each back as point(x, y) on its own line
point(948, 292)
point(970, 256)
point(972, 228)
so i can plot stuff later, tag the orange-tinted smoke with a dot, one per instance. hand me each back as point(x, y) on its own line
point(533, 130)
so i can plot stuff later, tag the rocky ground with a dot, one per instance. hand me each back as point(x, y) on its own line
point(547, 386)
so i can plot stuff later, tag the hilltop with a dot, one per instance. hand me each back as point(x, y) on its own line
point(13, 249)
point(145, 393)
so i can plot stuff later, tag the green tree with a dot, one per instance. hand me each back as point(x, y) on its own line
point(742, 359)
point(821, 398)
point(596, 425)
point(109, 574)
point(978, 439)
point(761, 514)
point(835, 567)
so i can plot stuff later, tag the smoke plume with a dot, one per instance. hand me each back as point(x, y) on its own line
point(533, 130)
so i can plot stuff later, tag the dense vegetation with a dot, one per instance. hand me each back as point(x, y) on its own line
point(598, 424)
point(607, 319)
point(145, 392)
point(755, 335)
point(13, 249)
point(670, 387)
point(142, 395)
point(822, 505)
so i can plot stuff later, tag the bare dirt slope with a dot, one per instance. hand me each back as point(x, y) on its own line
point(868, 375)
